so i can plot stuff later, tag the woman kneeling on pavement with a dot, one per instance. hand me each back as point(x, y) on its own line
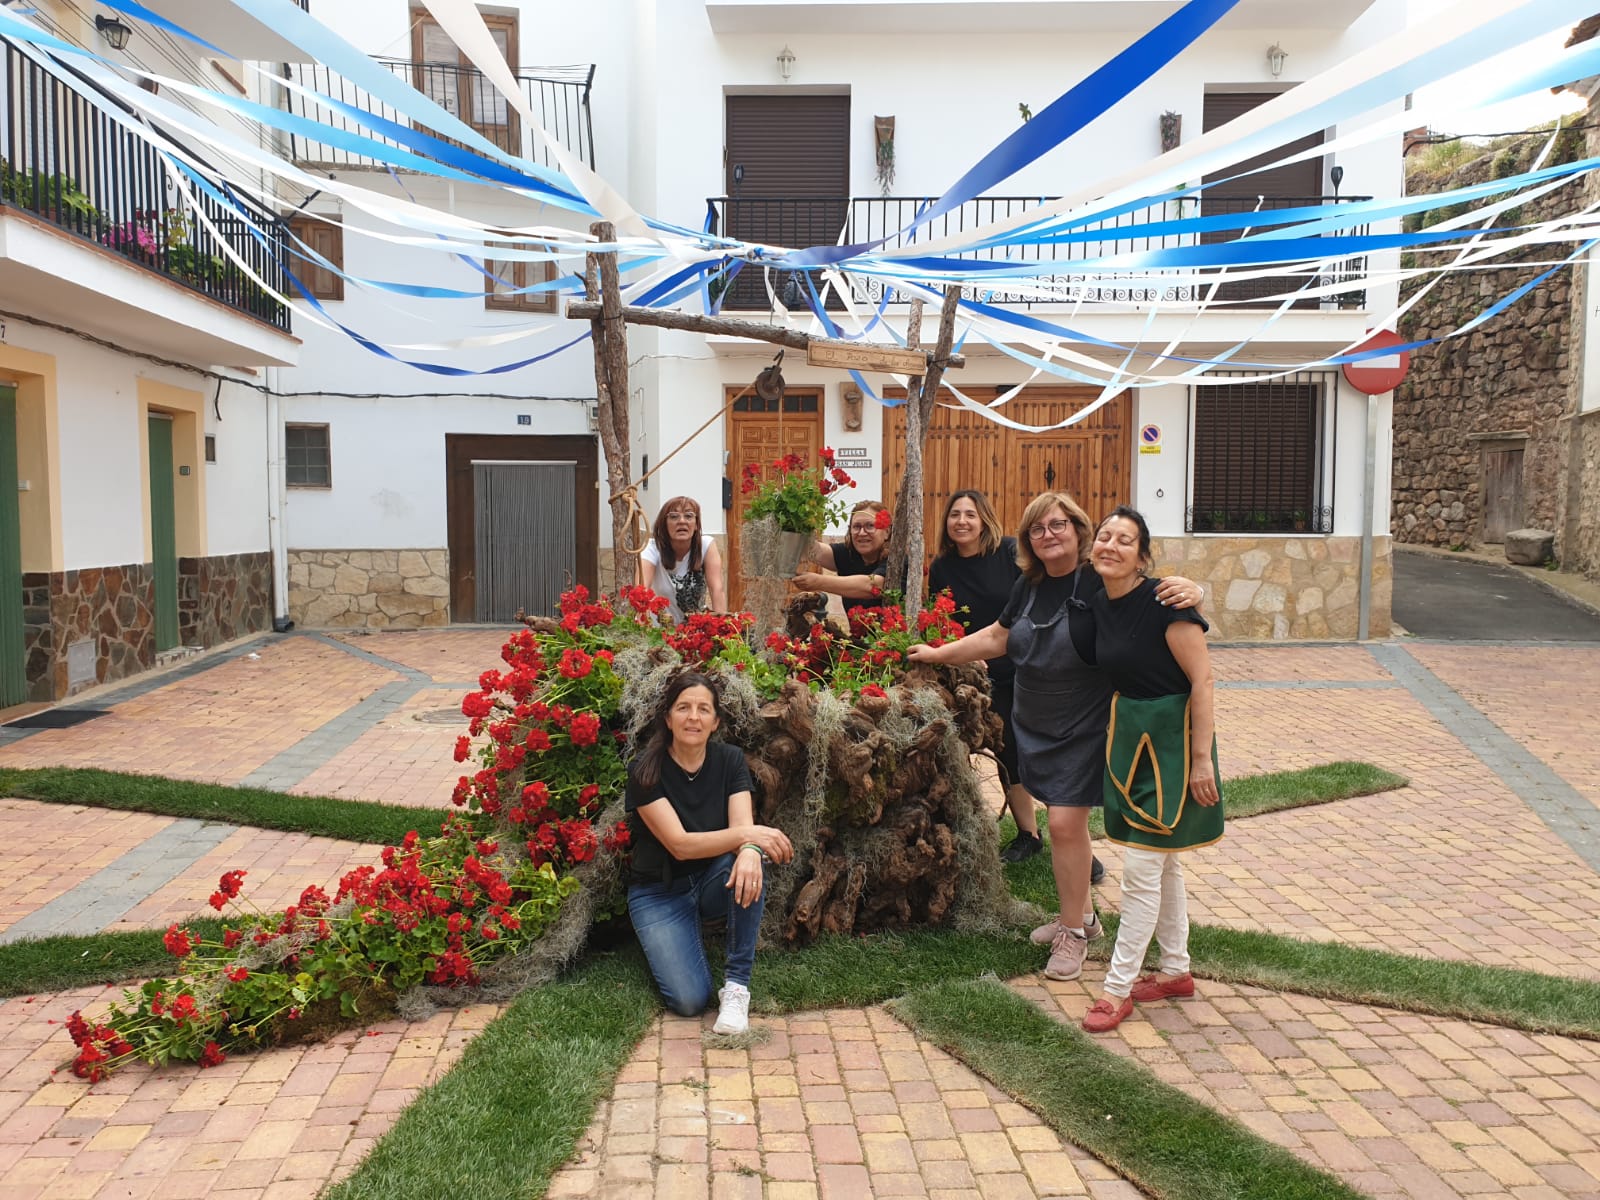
point(697, 853)
point(1160, 781)
point(1061, 701)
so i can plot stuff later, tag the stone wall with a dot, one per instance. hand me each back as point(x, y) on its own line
point(1579, 546)
point(112, 608)
point(223, 597)
point(1278, 588)
point(369, 589)
point(1511, 376)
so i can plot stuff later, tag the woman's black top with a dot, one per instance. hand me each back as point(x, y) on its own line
point(847, 560)
point(701, 804)
point(981, 584)
point(1080, 587)
point(1131, 642)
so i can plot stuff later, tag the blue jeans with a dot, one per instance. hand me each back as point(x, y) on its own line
point(667, 917)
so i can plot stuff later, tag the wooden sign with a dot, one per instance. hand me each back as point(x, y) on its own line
point(866, 358)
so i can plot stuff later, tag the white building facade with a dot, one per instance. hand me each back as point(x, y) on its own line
point(407, 498)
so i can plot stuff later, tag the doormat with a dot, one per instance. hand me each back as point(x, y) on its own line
point(57, 718)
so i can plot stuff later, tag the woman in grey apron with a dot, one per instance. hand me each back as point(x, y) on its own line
point(1061, 705)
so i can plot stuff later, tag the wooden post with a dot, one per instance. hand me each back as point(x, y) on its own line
point(610, 337)
point(910, 501)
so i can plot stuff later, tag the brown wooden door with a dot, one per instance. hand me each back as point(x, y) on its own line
point(759, 432)
point(449, 78)
point(462, 451)
point(1281, 187)
point(1502, 493)
point(788, 177)
point(965, 450)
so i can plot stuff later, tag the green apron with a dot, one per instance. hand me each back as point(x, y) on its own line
point(1146, 783)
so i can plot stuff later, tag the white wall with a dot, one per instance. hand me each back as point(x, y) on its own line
point(236, 484)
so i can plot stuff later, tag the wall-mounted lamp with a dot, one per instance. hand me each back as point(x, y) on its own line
point(785, 62)
point(114, 31)
point(1275, 56)
point(852, 407)
point(1336, 177)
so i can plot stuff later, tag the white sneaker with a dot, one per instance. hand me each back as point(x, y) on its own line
point(734, 1014)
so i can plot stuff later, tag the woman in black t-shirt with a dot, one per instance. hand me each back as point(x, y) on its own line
point(861, 561)
point(697, 853)
point(1160, 754)
point(977, 562)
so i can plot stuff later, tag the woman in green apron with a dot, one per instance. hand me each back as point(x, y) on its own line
point(1161, 785)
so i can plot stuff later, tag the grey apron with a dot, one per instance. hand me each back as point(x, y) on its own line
point(1061, 708)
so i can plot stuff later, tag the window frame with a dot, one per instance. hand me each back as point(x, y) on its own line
point(327, 449)
point(536, 302)
point(1312, 517)
point(319, 281)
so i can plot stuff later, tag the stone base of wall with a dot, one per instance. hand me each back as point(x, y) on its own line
point(1281, 588)
point(223, 597)
point(1578, 547)
point(369, 589)
point(110, 608)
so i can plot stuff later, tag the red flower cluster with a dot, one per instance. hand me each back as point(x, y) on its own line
point(98, 1048)
point(883, 518)
point(178, 941)
point(702, 634)
point(228, 888)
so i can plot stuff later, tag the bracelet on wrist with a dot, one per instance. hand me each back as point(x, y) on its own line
point(756, 848)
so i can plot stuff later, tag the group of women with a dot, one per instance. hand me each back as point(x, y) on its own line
point(1103, 682)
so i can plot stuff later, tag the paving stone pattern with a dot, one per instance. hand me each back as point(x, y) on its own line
point(1474, 861)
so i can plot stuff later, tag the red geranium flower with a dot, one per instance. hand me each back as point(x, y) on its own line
point(177, 941)
point(883, 518)
point(585, 729)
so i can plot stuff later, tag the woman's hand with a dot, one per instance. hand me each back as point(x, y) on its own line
point(809, 581)
point(745, 877)
point(922, 652)
point(1177, 592)
point(1203, 782)
point(774, 843)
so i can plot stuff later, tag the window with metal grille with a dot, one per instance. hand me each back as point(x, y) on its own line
point(307, 458)
point(1263, 455)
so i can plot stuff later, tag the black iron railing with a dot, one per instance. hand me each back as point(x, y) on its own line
point(816, 221)
point(67, 162)
point(559, 96)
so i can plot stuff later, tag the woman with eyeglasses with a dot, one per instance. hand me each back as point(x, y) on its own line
point(1061, 701)
point(861, 560)
point(681, 563)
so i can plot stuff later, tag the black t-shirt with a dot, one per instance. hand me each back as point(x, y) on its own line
point(847, 560)
point(982, 585)
point(1131, 642)
point(701, 804)
point(1054, 591)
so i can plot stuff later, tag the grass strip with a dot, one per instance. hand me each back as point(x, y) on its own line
point(1163, 1141)
point(505, 1118)
point(66, 961)
point(321, 816)
point(1275, 791)
point(1525, 1000)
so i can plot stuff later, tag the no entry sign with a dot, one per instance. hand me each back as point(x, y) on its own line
point(1383, 372)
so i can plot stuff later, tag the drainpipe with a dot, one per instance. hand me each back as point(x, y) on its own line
point(275, 505)
point(1369, 504)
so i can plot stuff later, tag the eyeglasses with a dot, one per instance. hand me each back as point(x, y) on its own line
point(1054, 528)
point(868, 528)
point(681, 516)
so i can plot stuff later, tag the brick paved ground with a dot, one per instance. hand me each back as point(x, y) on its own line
point(1456, 866)
point(276, 1126)
point(1546, 698)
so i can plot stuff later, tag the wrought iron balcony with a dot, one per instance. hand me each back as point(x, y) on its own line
point(814, 221)
point(65, 161)
point(559, 95)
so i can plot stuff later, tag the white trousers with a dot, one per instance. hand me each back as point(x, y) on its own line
point(1153, 904)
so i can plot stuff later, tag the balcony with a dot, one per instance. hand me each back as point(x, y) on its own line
point(820, 221)
point(559, 95)
point(66, 163)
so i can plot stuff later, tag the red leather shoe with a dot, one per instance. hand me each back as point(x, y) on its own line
point(1152, 987)
point(1103, 1016)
